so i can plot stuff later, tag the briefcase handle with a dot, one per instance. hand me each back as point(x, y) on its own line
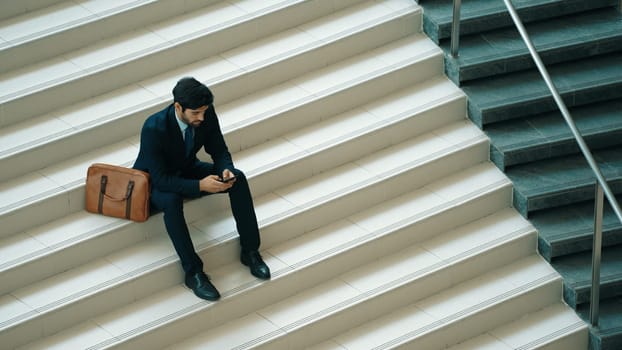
point(102, 194)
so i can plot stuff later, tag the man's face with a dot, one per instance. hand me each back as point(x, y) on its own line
point(192, 117)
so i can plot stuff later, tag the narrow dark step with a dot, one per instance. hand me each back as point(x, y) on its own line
point(576, 270)
point(483, 15)
point(557, 40)
point(547, 135)
point(608, 334)
point(519, 94)
point(564, 180)
point(569, 229)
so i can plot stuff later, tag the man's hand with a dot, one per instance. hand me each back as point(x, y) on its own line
point(227, 174)
point(212, 184)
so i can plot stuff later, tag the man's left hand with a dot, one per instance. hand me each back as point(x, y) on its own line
point(226, 174)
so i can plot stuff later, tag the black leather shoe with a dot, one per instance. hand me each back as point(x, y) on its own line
point(253, 260)
point(202, 287)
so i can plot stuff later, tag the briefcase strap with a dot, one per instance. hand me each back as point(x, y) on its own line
point(128, 204)
point(102, 192)
point(128, 196)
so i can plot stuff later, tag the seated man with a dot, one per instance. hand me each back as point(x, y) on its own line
point(169, 142)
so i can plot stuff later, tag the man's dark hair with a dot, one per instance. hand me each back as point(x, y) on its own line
point(191, 93)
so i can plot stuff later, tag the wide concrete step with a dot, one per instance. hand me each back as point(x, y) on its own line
point(279, 71)
point(31, 35)
point(564, 180)
point(63, 182)
point(85, 291)
point(553, 327)
point(319, 257)
point(570, 229)
point(373, 191)
point(425, 312)
point(483, 15)
point(111, 64)
point(502, 51)
point(548, 135)
point(10, 9)
point(519, 94)
point(43, 250)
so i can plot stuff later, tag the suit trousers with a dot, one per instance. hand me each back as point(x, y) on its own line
point(172, 204)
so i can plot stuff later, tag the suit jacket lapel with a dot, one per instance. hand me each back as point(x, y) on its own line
point(174, 132)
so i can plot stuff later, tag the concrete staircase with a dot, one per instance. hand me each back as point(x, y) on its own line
point(383, 220)
point(581, 44)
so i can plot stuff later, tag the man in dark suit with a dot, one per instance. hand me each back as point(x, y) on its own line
point(169, 142)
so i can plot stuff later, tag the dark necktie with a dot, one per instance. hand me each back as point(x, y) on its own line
point(188, 137)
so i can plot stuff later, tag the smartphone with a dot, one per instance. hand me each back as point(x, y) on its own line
point(227, 179)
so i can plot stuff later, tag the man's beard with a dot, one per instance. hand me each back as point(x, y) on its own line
point(194, 124)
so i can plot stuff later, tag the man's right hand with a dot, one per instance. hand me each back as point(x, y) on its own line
point(212, 184)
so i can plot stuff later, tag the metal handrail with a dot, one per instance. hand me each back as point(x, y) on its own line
point(455, 29)
point(601, 182)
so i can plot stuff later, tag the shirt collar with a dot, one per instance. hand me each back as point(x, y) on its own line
point(182, 125)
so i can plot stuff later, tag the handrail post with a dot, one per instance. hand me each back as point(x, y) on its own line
point(455, 29)
point(596, 255)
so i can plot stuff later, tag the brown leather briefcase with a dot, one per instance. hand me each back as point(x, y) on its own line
point(118, 192)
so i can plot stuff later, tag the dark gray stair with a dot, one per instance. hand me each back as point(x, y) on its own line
point(580, 43)
point(521, 94)
point(503, 50)
point(577, 273)
point(559, 181)
point(607, 334)
point(547, 135)
point(568, 229)
point(482, 15)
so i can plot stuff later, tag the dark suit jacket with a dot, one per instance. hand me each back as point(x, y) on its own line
point(162, 152)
